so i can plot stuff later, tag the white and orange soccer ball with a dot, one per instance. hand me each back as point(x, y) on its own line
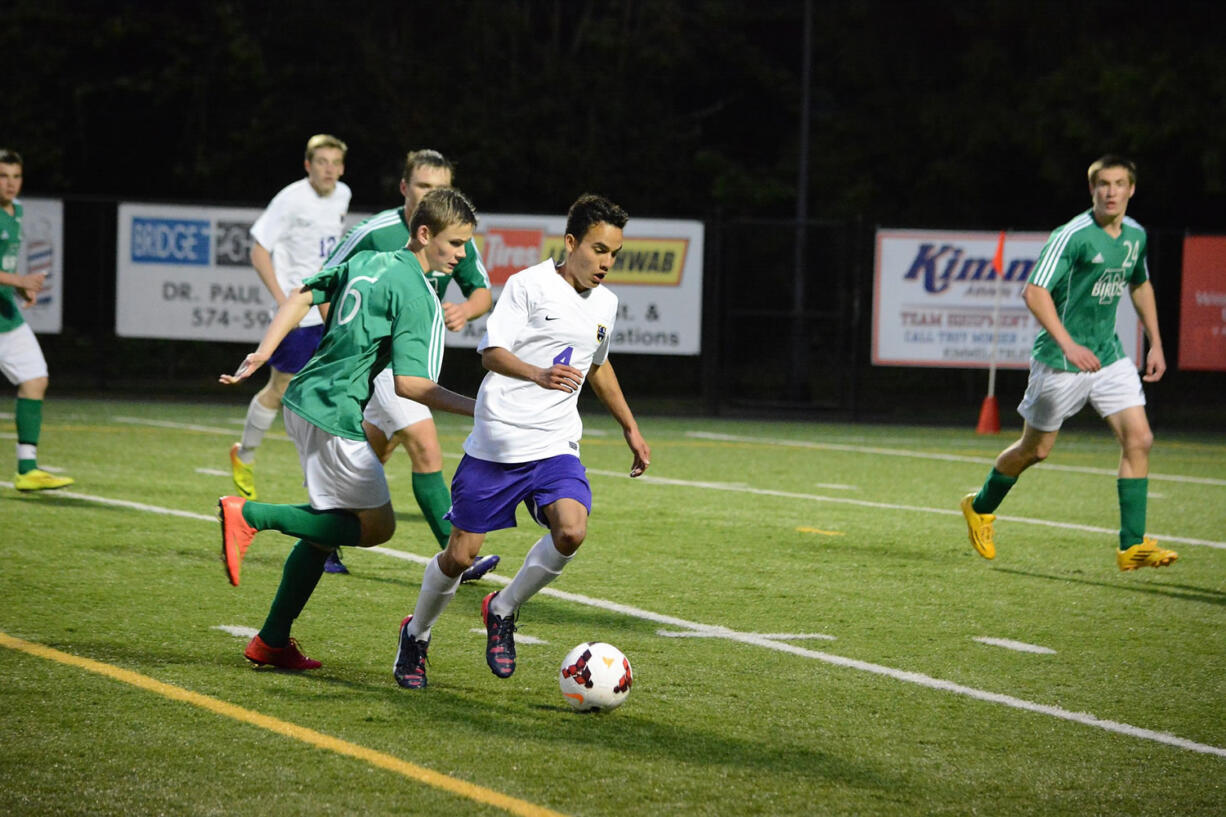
point(595, 677)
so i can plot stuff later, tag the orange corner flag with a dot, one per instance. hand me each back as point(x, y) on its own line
point(989, 416)
point(998, 260)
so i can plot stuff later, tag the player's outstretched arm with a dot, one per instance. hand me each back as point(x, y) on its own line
point(289, 315)
point(425, 391)
point(559, 376)
point(607, 387)
point(1040, 303)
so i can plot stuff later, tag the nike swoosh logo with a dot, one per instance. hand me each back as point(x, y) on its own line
point(551, 317)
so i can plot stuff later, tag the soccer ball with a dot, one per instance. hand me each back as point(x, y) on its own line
point(595, 677)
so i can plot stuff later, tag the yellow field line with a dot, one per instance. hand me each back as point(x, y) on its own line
point(412, 771)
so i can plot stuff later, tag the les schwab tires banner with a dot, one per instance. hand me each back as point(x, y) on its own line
point(185, 273)
point(935, 293)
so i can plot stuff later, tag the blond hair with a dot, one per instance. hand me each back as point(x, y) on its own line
point(324, 140)
point(1111, 160)
point(441, 208)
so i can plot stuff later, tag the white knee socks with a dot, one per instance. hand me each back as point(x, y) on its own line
point(259, 420)
point(437, 590)
point(542, 565)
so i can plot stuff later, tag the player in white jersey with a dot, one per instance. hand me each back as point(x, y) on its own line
point(548, 333)
point(291, 239)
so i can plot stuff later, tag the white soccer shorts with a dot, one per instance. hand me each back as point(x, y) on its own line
point(388, 411)
point(1052, 395)
point(339, 473)
point(21, 358)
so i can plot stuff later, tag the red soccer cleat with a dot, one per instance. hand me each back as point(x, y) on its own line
point(287, 657)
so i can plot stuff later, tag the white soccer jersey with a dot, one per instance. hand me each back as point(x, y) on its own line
point(300, 228)
point(542, 320)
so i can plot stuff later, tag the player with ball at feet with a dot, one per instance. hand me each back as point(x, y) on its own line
point(548, 333)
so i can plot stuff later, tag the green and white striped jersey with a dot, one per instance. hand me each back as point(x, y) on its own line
point(1087, 272)
point(383, 311)
point(386, 231)
point(10, 251)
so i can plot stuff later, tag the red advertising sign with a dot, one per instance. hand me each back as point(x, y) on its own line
point(507, 251)
point(1202, 313)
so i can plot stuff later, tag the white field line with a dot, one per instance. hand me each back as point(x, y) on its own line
point(902, 452)
point(730, 486)
point(520, 638)
point(776, 636)
point(1019, 646)
point(212, 472)
point(764, 642)
point(890, 506)
point(917, 678)
point(236, 630)
point(228, 432)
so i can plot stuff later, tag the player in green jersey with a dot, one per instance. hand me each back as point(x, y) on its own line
point(383, 312)
point(1083, 270)
point(391, 420)
point(21, 358)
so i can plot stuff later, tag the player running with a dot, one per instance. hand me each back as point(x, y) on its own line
point(1083, 270)
point(383, 311)
point(549, 333)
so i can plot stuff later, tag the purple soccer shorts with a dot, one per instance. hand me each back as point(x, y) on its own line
point(484, 494)
point(297, 348)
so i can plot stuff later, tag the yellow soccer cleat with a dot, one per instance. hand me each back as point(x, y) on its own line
point(244, 474)
point(979, 526)
point(40, 480)
point(1145, 554)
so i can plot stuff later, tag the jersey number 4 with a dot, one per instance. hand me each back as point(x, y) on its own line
point(564, 356)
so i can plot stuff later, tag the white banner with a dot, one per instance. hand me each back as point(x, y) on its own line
point(184, 273)
point(935, 293)
point(42, 250)
point(657, 277)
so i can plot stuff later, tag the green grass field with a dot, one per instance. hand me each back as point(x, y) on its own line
point(799, 601)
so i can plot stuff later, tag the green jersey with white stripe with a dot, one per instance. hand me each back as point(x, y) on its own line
point(10, 251)
point(1087, 272)
point(386, 231)
point(383, 311)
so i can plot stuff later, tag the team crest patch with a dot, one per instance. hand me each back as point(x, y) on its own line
point(601, 331)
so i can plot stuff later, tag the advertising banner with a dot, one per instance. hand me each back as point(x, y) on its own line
point(935, 293)
point(1202, 313)
point(657, 277)
point(42, 250)
point(184, 273)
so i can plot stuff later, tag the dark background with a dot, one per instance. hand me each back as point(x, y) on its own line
point(951, 115)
